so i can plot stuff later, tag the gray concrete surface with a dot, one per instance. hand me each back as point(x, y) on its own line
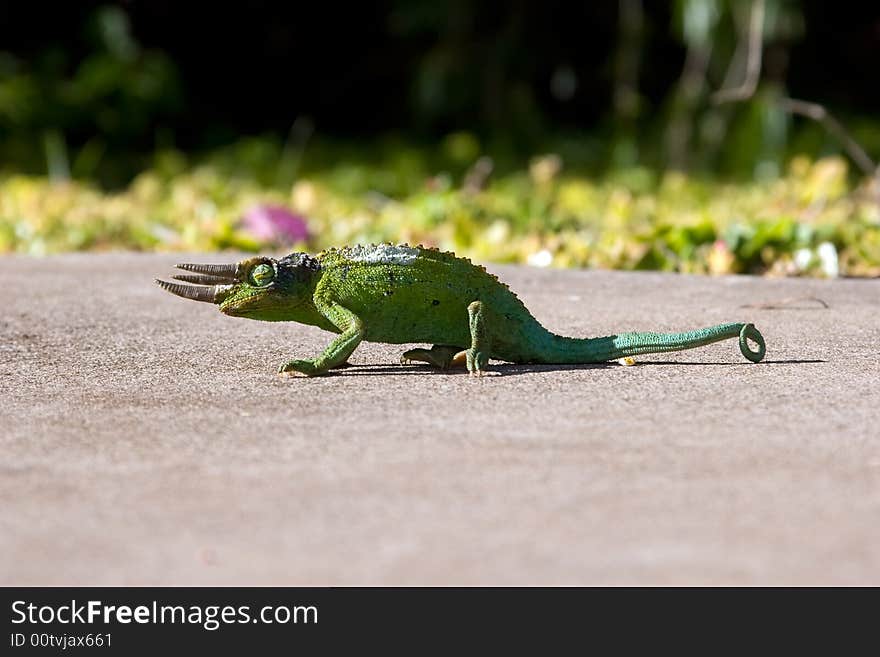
point(146, 440)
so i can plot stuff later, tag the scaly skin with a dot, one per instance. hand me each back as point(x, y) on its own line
point(403, 294)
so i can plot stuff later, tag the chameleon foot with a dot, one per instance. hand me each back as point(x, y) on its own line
point(476, 362)
point(300, 368)
point(440, 356)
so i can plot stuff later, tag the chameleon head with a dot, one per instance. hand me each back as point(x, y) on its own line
point(259, 287)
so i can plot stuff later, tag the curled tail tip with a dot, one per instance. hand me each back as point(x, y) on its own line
point(749, 332)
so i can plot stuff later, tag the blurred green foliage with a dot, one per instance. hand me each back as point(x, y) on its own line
point(811, 220)
point(630, 87)
point(103, 104)
point(88, 157)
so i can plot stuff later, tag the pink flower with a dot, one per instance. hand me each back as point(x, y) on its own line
point(276, 224)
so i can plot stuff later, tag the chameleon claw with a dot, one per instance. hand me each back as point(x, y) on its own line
point(479, 374)
point(289, 374)
point(300, 368)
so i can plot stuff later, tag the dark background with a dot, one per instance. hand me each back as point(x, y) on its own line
point(198, 76)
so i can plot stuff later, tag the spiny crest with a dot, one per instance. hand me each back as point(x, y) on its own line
point(403, 252)
point(301, 260)
point(378, 252)
point(400, 254)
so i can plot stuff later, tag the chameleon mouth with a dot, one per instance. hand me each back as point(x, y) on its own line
point(246, 303)
point(210, 283)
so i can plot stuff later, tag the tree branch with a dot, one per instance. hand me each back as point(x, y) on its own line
point(815, 111)
point(821, 115)
point(753, 60)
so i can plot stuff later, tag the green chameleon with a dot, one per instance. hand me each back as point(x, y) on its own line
point(403, 294)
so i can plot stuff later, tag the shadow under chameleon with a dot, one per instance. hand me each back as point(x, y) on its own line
point(512, 369)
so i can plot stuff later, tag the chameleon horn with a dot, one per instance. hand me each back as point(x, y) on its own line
point(196, 293)
point(226, 272)
point(200, 279)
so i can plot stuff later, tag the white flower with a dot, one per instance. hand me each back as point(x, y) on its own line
point(827, 253)
point(542, 258)
point(803, 258)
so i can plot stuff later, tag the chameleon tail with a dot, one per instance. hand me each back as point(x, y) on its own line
point(612, 347)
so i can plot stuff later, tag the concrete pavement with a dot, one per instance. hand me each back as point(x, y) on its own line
point(147, 440)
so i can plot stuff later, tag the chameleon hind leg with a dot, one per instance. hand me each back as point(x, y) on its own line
point(477, 355)
point(440, 355)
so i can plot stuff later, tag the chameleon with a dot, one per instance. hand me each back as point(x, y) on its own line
point(401, 294)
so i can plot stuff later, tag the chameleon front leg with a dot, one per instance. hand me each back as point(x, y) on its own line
point(337, 353)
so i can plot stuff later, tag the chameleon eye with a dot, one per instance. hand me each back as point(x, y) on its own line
point(262, 275)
